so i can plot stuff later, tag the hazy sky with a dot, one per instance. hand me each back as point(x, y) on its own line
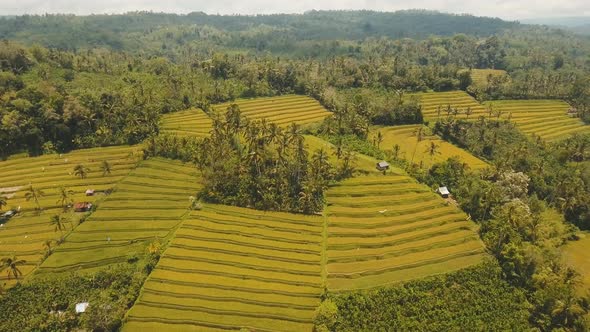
point(507, 9)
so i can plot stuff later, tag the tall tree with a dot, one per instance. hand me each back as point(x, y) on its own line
point(35, 195)
point(11, 264)
point(105, 168)
point(81, 171)
point(65, 197)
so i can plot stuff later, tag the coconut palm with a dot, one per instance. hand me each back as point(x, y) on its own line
point(47, 245)
point(11, 264)
point(81, 171)
point(65, 197)
point(34, 194)
point(59, 222)
point(105, 167)
point(419, 137)
point(432, 150)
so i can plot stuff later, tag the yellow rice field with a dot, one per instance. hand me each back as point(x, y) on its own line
point(26, 234)
point(230, 268)
point(418, 152)
point(281, 110)
point(146, 206)
point(193, 122)
point(480, 76)
point(547, 119)
point(384, 229)
point(436, 104)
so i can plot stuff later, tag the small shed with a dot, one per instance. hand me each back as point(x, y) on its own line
point(382, 165)
point(81, 307)
point(82, 206)
point(444, 192)
point(89, 192)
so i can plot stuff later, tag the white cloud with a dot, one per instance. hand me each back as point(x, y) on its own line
point(507, 9)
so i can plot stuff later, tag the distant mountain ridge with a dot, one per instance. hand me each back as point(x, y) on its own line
point(121, 31)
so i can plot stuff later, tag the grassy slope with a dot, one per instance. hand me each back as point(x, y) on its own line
point(147, 205)
point(406, 137)
point(282, 110)
point(24, 235)
point(229, 268)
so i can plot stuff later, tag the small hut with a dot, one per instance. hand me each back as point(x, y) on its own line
point(89, 192)
point(382, 165)
point(443, 192)
point(82, 206)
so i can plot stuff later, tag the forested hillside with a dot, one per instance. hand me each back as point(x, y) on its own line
point(251, 150)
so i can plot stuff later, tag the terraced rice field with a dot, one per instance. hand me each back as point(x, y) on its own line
point(545, 118)
point(230, 268)
point(386, 229)
point(433, 101)
point(193, 122)
point(25, 234)
point(480, 76)
point(282, 110)
point(407, 138)
point(147, 205)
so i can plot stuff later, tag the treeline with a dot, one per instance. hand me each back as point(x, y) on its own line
point(256, 164)
point(122, 32)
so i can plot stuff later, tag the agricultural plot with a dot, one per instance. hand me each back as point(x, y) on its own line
point(435, 105)
point(282, 110)
point(386, 229)
point(576, 256)
point(29, 234)
point(419, 151)
point(230, 268)
point(481, 76)
point(146, 206)
point(193, 122)
point(548, 119)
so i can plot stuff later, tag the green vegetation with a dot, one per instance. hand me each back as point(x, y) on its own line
point(291, 113)
point(476, 298)
point(49, 304)
point(232, 268)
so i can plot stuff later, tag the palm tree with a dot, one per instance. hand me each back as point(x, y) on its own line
point(105, 167)
point(65, 197)
point(419, 136)
point(47, 245)
point(11, 264)
point(432, 150)
point(59, 222)
point(34, 194)
point(81, 171)
point(379, 139)
point(3, 201)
